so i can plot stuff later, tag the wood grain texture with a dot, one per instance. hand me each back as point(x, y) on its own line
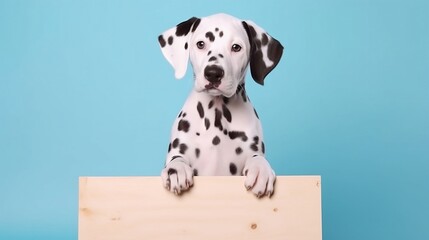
point(129, 208)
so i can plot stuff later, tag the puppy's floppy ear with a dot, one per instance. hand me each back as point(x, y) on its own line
point(175, 45)
point(265, 52)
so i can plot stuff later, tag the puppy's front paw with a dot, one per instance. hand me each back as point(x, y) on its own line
point(177, 176)
point(260, 177)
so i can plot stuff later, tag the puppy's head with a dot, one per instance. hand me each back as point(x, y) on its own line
point(220, 47)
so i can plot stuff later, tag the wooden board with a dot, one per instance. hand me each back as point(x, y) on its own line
point(129, 208)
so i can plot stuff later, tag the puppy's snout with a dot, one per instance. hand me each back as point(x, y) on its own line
point(213, 73)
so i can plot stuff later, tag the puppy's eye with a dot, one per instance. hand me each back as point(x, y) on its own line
point(236, 48)
point(200, 45)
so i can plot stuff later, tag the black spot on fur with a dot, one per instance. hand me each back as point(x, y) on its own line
point(186, 46)
point(242, 92)
point(200, 109)
point(275, 51)
point(220, 55)
point(175, 143)
point(184, 114)
point(243, 95)
point(218, 118)
point(210, 36)
point(232, 168)
point(183, 126)
point(183, 28)
point(183, 147)
point(221, 34)
point(213, 58)
point(161, 41)
point(263, 147)
point(240, 88)
point(225, 132)
point(170, 40)
point(226, 113)
point(211, 103)
point(256, 113)
point(197, 152)
point(216, 29)
point(195, 172)
point(256, 139)
point(197, 133)
point(238, 150)
point(216, 140)
point(264, 39)
point(210, 52)
point(194, 27)
point(169, 147)
point(225, 100)
point(250, 31)
point(171, 171)
point(237, 134)
point(207, 123)
point(254, 147)
point(180, 114)
point(259, 64)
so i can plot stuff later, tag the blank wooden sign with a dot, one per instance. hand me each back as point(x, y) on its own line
point(128, 208)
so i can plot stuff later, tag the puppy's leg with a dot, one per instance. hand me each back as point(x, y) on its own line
point(260, 177)
point(177, 176)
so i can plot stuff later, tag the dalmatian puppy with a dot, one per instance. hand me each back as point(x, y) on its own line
point(218, 132)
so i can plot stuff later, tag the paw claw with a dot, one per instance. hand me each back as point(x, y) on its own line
point(176, 191)
point(167, 184)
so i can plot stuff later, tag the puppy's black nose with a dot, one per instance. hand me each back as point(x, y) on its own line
point(213, 73)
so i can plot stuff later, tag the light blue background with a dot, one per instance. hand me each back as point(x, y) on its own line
point(84, 90)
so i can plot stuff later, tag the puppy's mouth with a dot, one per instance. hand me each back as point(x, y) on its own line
point(214, 89)
point(216, 92)
point(212, 85)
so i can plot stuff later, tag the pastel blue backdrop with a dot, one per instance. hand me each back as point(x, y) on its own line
point(85, 91)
